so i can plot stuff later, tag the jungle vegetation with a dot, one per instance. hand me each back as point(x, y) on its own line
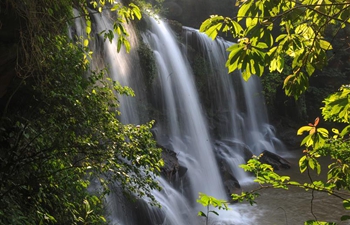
point(59, 127)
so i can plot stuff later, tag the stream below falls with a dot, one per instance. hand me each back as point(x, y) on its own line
point(289, 207)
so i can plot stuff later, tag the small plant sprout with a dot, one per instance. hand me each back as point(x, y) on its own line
point(208, 201)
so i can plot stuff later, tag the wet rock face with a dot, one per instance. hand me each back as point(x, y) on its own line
point(289, 137)
point(171, 168)
point(276, 161)
point(173, 8)
point(226, 151)
point(231, 184)
point(193, 12)
point(171, 163)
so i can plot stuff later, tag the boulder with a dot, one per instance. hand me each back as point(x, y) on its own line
point(171, 166)
point(231, 184)
point(239, 148)
point(276, 161)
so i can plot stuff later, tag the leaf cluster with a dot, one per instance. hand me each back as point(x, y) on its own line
point(124, 14)
point(267, 30)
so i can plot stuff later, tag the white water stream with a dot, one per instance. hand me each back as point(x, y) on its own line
point(188, 132)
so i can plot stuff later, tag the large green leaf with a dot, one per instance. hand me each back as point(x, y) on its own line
point(213, 31)
point(314, 222)
point(212, 26)
point(337, 106)
point(246, 9)
point(233, 60)
point(346, 204)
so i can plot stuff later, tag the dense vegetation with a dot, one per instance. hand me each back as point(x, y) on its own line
point(59, 127)
point(296, 37)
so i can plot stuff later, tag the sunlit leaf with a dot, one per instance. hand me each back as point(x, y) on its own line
point(86, 42)
point(136, 11)
point(303, 129)
point(325, 45)
point(346, 204)
point(115, 7)
point(212, 32)
point(303, 163)
point(214, 212)
point(200, 213)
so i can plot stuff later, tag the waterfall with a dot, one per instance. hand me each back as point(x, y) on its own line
point(185, 123)
point(240, 116)
point(122, 67)
point(188, 129)
point(212, 128)
point(238, 105)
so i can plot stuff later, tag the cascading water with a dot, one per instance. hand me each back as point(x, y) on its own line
point(186, 127)
point(204, 147)
point(237, 108)
point(240, 116)
point(123, 67)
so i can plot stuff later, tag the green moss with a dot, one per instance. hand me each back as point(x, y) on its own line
point(148, 63)
point(201, 72)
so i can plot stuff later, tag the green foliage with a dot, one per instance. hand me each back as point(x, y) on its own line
point(59, 128)
point(318, 142)
point(314, 222)
point(209, 201)
point(337, 106)
point(301, 36)
point(271, 83)
point(67, 135)
point(39, 20)
point(265, 174)
point(124, 15)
